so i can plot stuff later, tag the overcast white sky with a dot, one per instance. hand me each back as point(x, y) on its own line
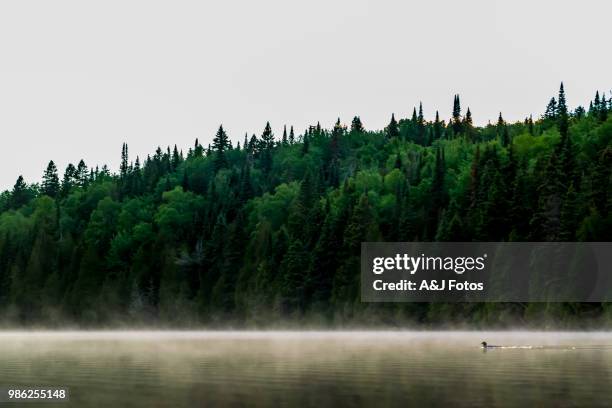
point(79, 78)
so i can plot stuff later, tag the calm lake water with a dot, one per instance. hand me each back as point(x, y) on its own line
point(378, 369)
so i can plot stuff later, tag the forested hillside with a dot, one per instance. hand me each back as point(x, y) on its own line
point(267, 231)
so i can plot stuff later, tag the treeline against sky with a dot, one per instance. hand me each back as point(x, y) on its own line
point(268, 230)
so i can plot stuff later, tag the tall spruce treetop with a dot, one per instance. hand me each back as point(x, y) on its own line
point(267, 137)
point(220, 144)
point(291, 136)
point(176, 158)
point(456, 122)
point(595, 105)
point(19, 195)
point(393, 128)
point(285, 140)
point(562, 112)
point(468, 117)
point(561, 104)
point(356, 125)
point(456, 108)
point(267, 143)
point(551, 109)
point(50, 181)
point(437, 127)
point(81, 174)
point(500, 122)
point(123, 167)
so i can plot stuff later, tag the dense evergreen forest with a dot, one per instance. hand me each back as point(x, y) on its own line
point(267, 231)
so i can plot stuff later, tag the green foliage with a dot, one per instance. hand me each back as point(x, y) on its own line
point(272, 230)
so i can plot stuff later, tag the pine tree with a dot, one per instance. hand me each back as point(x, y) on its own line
point(50, 181)
point(421, 131)
point(285, 140)
point(267, 143)
point(393, 128)
point(291, 136)
point(437, 127)
point(254, 145)
point(176, 158)
point(220, 143)
point(551, 109)
point(267, 137)
point(20, 195)
point(81, 174)
point(468, 126)
point(456, 121)
point(356, 125)
point(135, 180)
point(596, 105)
point(198, 149)
point(123, 167)
point(562, 112)
point(502, 131)
point(68, 180)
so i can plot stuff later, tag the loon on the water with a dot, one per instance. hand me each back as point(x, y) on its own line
point(487, 346)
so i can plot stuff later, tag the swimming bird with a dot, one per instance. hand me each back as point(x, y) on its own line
point(487, 346)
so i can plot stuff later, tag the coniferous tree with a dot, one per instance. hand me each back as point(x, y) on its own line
point(456, 120)
point(198, 149)
point(551, 109)
point(285, 140)
point(267, 143)
point(50, 181)
point(437, 128)
point(603, 110)
point(356, 125)
point(81, 174)
point(502, 131)
point(595, 105)
point(267, 137)
point(291, 136)
point(562, 114)
point(20, 195)
point(468, 126)
point(186, 240)
point(220, 143)
point(123, 167)
point(421, 137)
point(392, 128)
point(176, 159)
point(69, 179)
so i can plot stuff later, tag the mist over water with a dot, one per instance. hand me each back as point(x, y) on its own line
point(259, 368)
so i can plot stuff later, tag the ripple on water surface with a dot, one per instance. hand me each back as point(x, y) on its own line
point(320, 369)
